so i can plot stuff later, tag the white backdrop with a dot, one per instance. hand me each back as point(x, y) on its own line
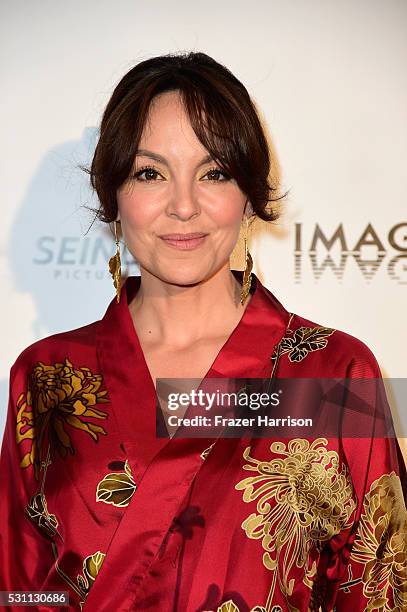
point(329, 79)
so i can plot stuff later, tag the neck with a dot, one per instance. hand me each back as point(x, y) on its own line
point(176, 316)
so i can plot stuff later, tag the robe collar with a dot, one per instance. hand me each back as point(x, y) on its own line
point(245, 354)
point(164, 469)
point(249, 346)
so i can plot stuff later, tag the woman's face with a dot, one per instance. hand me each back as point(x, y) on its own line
point(176, 189)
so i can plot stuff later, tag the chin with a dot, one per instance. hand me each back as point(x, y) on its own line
point(183, 275)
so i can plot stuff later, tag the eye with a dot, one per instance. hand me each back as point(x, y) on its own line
point(150, 174)
point(214, 174)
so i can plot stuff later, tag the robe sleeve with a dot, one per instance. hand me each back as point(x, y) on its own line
point(25, 553)
point(371, 557)
point(376, 574)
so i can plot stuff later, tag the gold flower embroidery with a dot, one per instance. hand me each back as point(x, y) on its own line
point(117, 488)
point(303, 340)
point(58, 395)
point(37, 511)
point(230, 606)
point(381, 545)
point(206, 452)
point(304, 498)
point(91, 568)
point(83, 584)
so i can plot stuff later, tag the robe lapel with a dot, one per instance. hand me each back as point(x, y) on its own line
point(163, 469)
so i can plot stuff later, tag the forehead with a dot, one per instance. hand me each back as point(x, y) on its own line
point(165, 100)
point(165, 109)
point(168, 122)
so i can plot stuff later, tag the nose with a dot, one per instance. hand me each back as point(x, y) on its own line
point(183, 202)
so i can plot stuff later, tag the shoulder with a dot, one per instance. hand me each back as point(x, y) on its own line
point(56, 348)
point(337, 352)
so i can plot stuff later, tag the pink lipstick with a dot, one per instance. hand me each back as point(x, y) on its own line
point(184, 242)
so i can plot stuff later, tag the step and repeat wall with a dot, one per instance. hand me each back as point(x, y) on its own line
point(330, 83)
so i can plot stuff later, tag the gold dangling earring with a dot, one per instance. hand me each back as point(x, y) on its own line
point(115, 265)
point(247, 276)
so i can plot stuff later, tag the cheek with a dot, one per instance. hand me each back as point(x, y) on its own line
point(136, 211)
point(227, 209)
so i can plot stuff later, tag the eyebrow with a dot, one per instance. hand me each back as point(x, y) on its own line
point(162, 160)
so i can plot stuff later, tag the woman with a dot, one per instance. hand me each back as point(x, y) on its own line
point(93, 502)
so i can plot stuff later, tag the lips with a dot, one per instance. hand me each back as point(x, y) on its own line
point(184, 242)
point(182, 236)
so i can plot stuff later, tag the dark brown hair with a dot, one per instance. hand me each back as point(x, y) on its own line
point(222, 116)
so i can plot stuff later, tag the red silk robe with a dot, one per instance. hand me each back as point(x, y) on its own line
point(93, 503)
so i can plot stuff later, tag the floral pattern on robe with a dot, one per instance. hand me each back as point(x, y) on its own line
point(95, 504)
